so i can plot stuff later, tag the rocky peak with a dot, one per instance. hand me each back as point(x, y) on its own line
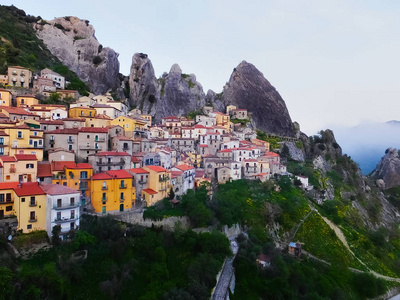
point(247, 88)
point(388, 169)
point(174, 93)
point(73, 42)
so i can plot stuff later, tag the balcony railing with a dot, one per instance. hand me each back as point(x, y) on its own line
point(32, 204)
point(104, 199)
point(236, 168)
point(122, 199)
point(70, 141)
point(89, 147)
point(104, 188)
point(110, 163)
point(59, 176)
point(123, 186)
point(163, 179)
point(125, 148)
point(100, 139)
point(66, 206)
point(52, 142)
point(83, 187)
point(142, 181)
point(65, 219)
point(32, 220)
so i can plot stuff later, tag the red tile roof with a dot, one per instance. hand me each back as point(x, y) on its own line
point(184, 167)
point(63, 131)
point(94, 129)
point(226, 150)
point(176, 174)
point(138, 170)
point(112, 153)
point(57, 189)
point(119, 174)
point(2, 133)
point(73, 165)
point(8, 185)
point(8, 158)
point(44, 170)
point(59, 165)
point(271, 154)
point(25, 156)
point(17, 111)
point(28, 189)
point(156, 168)
point(149, 191)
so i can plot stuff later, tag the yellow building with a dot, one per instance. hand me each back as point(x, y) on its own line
point(75, 176)
point(26, 101)
point(112, 191)
point(98, 121)
point(5, 97)
point(4, 143)
point(159, 184)
point(19, 76)
point(81, 112)
point(7, 196)
point(148, 118)
point(133, 127)
point(23, 139)
point(195, 159)
point(30, 207)
point(19, 168)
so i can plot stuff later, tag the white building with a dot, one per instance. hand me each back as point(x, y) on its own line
point(59, 113)
point(63, 208)
point(188, 176)
point(58, 80)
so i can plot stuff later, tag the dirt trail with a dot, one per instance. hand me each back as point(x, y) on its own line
point(342, 238)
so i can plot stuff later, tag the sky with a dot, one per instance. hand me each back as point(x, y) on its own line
point(335, 63)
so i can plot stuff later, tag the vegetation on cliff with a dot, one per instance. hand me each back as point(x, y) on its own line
point(19, 45)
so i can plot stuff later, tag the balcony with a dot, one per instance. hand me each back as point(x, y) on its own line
point(66, 206)
point(125, 148)
point(142, 181)
point(110, 163)
point(123, 186)
point(83, 187)
point(59, 176)
point(104, 199)
point(236, 168)
point(163, 179)
point(122, 199)
point(33, 220)
point(32, 204)
point(104, 188)
point(100, 139)
point(88, 147)
point(70, 141)
point(52, 142)
point(65, 219)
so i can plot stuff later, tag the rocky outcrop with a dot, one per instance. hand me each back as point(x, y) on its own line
point(388, 169)
point(174, 93)
point(73, 42)
point(247, 88)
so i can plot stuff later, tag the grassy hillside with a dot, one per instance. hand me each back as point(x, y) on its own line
point(20, 46)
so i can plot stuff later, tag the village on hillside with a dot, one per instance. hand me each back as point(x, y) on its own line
point(97, 156)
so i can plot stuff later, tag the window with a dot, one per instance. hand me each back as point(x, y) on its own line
point(9, 208)
point(58, 215)
point(104, 185)
point(22, 199)
point(64, 184)
point(72, 201)
point(19, 134)
point(59, 202)
point(84, 175)
point(30, 142)
point(122, 183)
point(104, 196)
point(1, 141)
point(29, 166)
point(40, 142)
point(72, 214)
point(33, 201)
point(88, 136)
point(35, 133)
point(8, 197)
point(69, 147)
point(1, 198)
point(29, 226)
point(122, 196)
point(32, 216)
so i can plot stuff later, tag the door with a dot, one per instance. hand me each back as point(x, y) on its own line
point(35, 144)
point(1, 213)
point(121, 207)
point(104, 210)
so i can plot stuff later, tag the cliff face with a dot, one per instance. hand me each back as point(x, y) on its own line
point(73, 42)
point(247, 88)
point(388, 169)
point(172, 94)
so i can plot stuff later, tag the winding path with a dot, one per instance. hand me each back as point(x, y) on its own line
point(342, 238)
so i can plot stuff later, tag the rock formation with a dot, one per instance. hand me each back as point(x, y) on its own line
point(174, 93)
point(247, 88)
point(73, 42)
point(388, 169)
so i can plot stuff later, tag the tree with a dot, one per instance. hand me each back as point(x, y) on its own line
point(55, 238)
point(171, 194)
